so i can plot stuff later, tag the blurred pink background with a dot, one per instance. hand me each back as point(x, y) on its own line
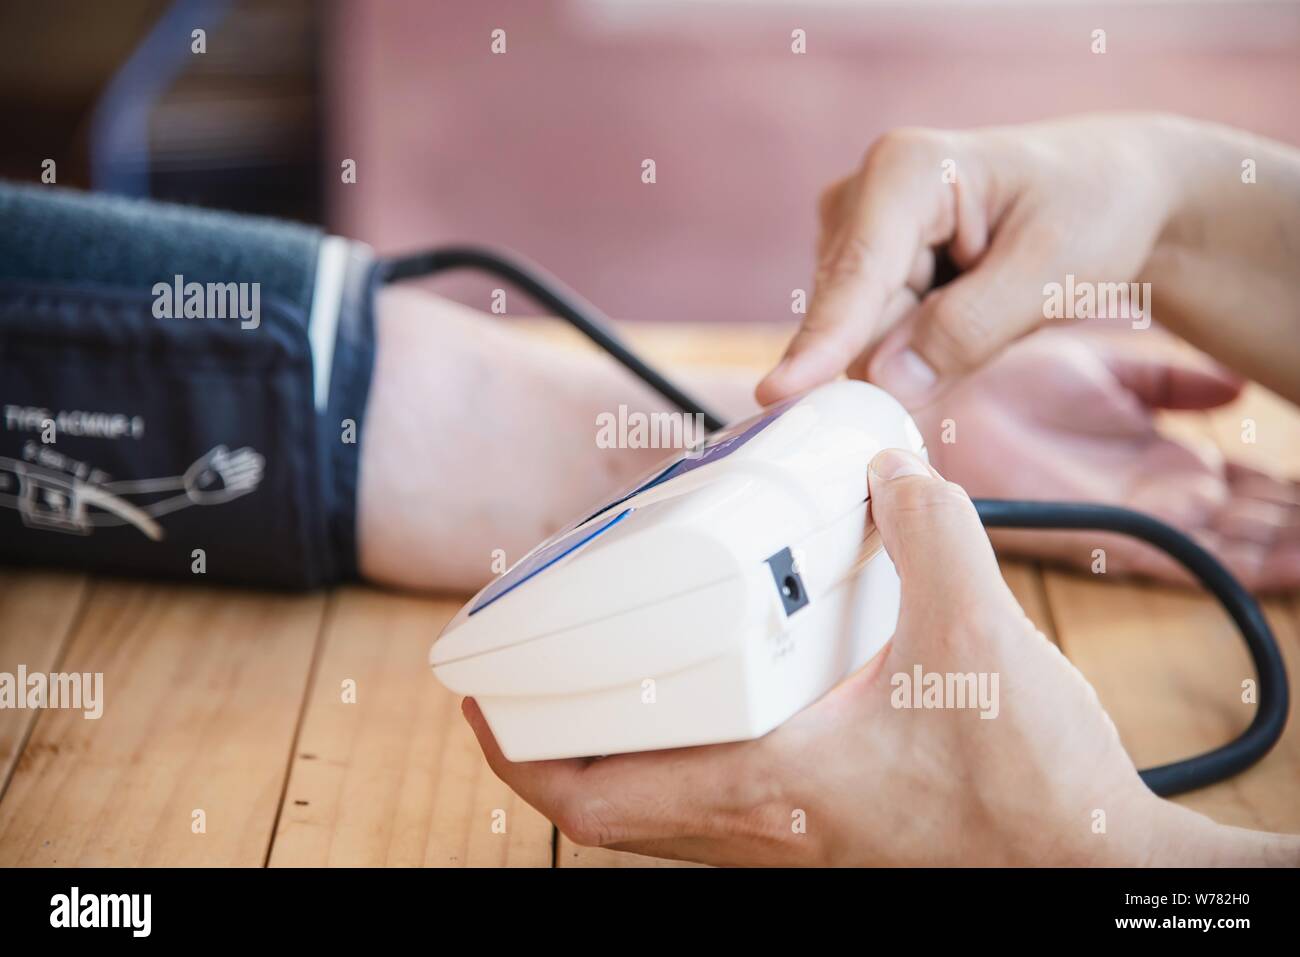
point(540, 149)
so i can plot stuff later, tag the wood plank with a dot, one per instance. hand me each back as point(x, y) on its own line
point(739, 345)
point(202, 691)
point(37, 612)
point(396, 778)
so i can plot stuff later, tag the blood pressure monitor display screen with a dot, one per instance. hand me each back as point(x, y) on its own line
point(721, 444)
point(542, 558)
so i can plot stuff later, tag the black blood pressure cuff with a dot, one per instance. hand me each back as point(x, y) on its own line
point(182, 392)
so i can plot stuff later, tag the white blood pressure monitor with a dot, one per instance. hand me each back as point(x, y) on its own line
point(711, 602)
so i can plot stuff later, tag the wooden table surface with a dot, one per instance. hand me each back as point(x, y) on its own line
point(229, 703)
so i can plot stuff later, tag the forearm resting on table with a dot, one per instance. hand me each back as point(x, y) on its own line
point(481, 438)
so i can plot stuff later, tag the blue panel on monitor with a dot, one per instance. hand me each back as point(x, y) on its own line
point(542, 559)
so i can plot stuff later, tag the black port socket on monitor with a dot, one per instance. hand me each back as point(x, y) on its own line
point(789, 583)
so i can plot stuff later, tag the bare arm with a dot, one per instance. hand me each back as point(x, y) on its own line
point(1106, 198)
point(1225, 272)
